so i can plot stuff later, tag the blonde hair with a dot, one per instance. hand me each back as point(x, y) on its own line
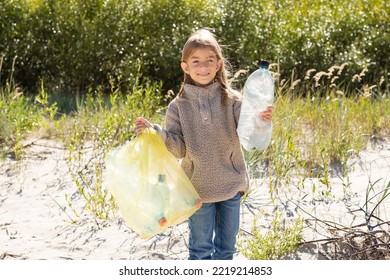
point(204, 38)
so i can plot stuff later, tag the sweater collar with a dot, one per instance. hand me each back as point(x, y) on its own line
point(193, 92)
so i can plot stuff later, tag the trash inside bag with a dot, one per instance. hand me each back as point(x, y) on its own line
point(149, 186)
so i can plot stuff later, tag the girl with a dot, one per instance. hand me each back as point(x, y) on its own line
point(200, 129)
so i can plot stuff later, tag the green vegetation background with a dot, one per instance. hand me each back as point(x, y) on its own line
point(76, 45)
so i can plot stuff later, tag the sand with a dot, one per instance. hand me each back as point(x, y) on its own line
point(37, 223)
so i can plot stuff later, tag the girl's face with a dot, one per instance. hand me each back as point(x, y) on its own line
point(202, 66)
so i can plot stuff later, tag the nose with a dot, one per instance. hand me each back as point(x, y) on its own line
point(204, 64)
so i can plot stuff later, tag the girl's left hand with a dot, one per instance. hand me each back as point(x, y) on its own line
point(266, 115)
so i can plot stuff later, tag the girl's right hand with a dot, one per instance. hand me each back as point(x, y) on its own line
point(141, 124)
point(266, 115)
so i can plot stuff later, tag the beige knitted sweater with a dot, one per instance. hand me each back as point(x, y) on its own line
point(202, 132)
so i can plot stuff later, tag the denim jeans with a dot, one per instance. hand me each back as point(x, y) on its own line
point(213, 230)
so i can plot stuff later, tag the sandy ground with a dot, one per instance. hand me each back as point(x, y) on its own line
point(35, 218)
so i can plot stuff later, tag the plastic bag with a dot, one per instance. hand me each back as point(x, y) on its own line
point(149, 186)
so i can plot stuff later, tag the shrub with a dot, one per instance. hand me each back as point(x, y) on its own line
point(280, 240)
point(75, 45)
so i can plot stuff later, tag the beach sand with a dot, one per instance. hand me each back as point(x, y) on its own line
point(36, 221)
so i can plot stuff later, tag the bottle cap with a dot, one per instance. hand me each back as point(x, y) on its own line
point(198, 203)
point(264, 64)
point(162, 222)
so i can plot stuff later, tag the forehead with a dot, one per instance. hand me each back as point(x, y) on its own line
point(203, 53)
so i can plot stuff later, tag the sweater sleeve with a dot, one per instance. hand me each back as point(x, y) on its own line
point(237, 110)
point(174, 139)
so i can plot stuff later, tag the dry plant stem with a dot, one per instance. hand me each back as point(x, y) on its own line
point(6, 254)
point(371, 244)
point(349, 234)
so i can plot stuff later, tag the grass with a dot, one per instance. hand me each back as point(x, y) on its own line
point(318, 128)
point(19, 115)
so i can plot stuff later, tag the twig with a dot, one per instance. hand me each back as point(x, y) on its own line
point(6, 254)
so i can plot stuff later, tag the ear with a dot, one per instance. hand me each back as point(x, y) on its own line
point(184, 66)
point(219, 64)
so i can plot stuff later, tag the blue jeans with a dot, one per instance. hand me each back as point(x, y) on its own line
point(213, 230)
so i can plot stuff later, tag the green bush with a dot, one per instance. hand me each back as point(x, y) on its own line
point(75, 45)
point(277, 242)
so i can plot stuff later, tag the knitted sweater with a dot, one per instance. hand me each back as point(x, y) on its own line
point(202, 132)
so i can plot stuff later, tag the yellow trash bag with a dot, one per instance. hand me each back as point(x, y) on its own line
point(149, 186)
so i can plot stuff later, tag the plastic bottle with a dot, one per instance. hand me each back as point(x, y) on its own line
point(183, 200)
point(252, 131)
point(154, 204)
point(163, 188)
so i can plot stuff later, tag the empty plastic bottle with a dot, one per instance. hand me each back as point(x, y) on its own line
point(182, 201)
point(258, 94)
point(154, 205)
point(163, 188)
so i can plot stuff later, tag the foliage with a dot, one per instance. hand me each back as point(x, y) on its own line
point(75, 45)
point(278, 241)
point(19, 115)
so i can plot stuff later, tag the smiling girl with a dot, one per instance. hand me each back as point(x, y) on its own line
point(200, 128)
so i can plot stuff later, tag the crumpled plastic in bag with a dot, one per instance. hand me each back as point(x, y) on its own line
point(149, 186)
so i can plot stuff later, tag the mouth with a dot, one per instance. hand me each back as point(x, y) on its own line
point(203, 74)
